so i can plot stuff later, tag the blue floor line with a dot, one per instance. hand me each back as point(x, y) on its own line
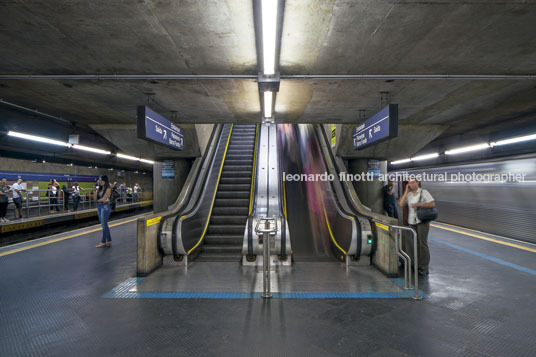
point(484, 256)
point(122, 291)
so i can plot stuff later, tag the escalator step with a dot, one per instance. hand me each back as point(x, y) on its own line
point(233, 194)
point(234, 187)
point(230, 161)
point(235, 180)
point(233, 211)
point(222, 248)
point(231, 203)
point(238, 157)
point(232, 174)
point(219, 257)
point(226, 229)
point(233, 220)
point(237, 168)
point(220, 239)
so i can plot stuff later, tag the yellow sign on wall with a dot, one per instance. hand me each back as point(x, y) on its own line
point(152, 221)
point(333, 135)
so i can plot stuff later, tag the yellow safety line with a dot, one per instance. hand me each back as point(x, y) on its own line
point(62, 238)
point(253, 171)
point(485, 238)
point(215, 191)
point(329, 229)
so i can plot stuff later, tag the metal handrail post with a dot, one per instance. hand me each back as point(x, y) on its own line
point(416, 296)
point(406, 258)
point(269, 226)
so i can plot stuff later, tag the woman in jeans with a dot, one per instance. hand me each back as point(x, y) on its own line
point(414, 197)
point(103, 210)
point(4, 199)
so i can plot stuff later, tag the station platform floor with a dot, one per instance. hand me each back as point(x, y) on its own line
point(62, 296)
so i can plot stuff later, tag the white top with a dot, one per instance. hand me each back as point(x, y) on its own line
point(411, 198)
point(15, 187)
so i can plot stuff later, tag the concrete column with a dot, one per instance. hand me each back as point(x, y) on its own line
point(166, 190)
point(370, 192)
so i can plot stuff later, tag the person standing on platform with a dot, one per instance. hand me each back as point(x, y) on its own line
point(4, 199)
point(103, 210)
point(66, 197)
point(53, 195)
point(17, 198)
point(414, 196)
point(389, 199)
point(76, 195)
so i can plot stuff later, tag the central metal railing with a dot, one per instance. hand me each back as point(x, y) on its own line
point(405, 257)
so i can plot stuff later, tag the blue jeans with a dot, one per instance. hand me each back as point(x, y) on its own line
point(103, 211)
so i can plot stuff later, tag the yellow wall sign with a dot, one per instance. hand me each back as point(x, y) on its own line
point(333, 135)
point(382, 226)
point(153, 221)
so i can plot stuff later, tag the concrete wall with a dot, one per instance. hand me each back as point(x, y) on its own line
point(203, 132)
point(370, 192)
point(129, 178)
point(166, 190)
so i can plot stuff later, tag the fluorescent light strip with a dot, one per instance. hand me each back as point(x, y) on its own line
point(147, 161)
point(37, 138)
point(128, 157)
point(400, 161)
point(269, 25)
point(467, 149)
point(424, 157)
point(90, 149)
point(267, 104)
point(518, 139)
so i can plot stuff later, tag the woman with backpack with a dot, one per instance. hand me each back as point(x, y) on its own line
point(104, 193)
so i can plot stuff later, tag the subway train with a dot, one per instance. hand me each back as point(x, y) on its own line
point(505, 205)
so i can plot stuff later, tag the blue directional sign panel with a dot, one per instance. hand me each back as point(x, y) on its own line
point(381, 126)
point(154, 127)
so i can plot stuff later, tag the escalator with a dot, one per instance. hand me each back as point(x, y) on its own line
point(225, 233)
point(322, 222)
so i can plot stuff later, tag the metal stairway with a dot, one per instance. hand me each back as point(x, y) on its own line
point(225, 233)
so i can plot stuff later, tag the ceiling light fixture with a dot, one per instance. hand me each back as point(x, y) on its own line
point(467, 149)
point(128, 157)
point(269, 26)
point(424, 157)
point(403, 161)
point(515, 140)
point(37, 138)
point(90, 149)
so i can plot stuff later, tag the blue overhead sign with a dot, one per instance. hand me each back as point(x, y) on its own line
point(381, 126)
point(154, 127)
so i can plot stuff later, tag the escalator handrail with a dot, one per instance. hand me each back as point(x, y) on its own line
point(213, 196)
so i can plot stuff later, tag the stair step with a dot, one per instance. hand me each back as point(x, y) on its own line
point(226, 229)
point(238, 157)
point(237, 168)
point(220, 257)
point(233, 174)
point(238, 162)
point(233, 194)
point(221, 248)
point(221, 239)
point(226, 219)
point(230, 211)
point(231, 203)
point(235, 180)
point(234, 187)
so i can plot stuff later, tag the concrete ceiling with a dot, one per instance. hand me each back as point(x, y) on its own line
point(477, 37)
